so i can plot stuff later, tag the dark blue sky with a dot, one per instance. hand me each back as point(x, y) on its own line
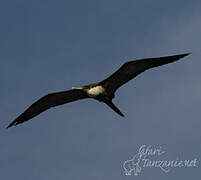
point(48, 46)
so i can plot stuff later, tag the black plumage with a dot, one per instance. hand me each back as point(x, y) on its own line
point(102, 91)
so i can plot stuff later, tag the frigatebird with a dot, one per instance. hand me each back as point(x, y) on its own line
point(103, 91)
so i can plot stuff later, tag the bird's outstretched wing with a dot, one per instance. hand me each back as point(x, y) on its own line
point(48, 101)
point(131, 69)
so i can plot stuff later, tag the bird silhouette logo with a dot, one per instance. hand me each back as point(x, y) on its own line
point(133, 165)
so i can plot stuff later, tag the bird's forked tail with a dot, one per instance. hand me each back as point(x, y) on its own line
point(111, 105)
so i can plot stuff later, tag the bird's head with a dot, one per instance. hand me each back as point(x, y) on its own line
point(86, 87)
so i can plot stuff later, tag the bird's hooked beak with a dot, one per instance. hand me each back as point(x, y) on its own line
point(77, 88)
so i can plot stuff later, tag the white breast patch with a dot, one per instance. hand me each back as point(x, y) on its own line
point(95, 91)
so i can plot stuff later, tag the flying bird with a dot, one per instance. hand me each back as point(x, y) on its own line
point(103, 91)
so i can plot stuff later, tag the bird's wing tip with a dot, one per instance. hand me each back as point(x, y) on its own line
point(14, 123)
point(186, 54)
point(8, 126)
point(179, 56)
